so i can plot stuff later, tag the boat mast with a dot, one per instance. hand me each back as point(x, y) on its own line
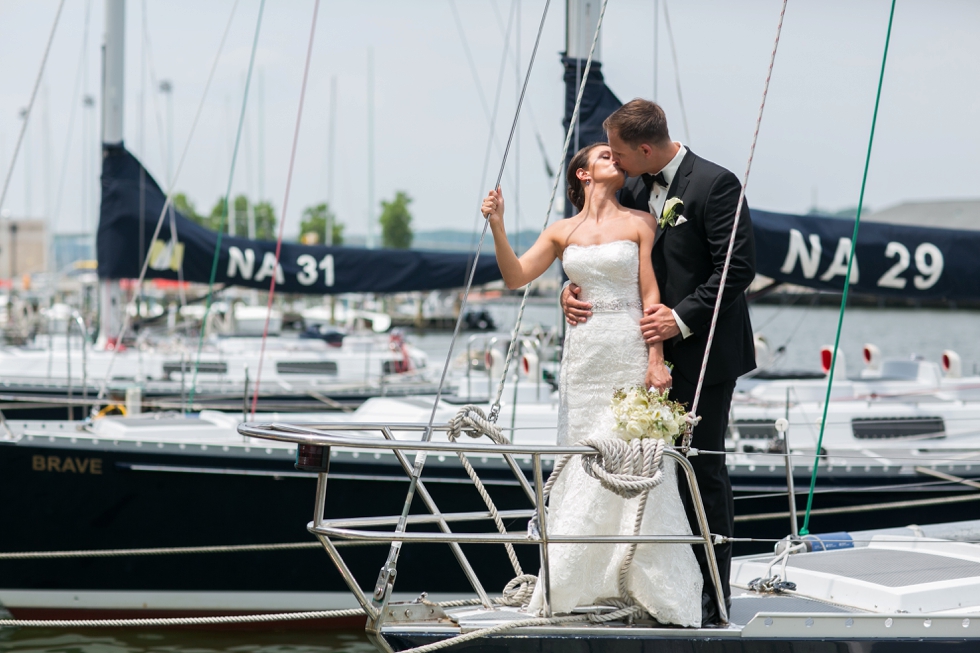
point(370, 152)
point(113, 68)
point(581, 21)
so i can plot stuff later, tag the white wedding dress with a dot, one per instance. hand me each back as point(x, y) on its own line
point(605, 353)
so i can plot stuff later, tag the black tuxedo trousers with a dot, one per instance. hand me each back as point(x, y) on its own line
point(711, 473)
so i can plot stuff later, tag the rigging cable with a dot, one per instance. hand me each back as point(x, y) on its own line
point(30, 105)
point(492, 116)
point(170, 197)
point(75, 97)
point(677, 70)
point(285, 205)
point(572, 132)
point(738, 215)
point(225, 209)
point(850, 263)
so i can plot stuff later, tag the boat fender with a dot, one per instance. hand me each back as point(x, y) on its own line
point(494, 362)
point(952, 365)
point(826, 356)
point(529, 364)
point(872, 357)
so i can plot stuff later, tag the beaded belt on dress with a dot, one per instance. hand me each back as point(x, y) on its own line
point(614, 305)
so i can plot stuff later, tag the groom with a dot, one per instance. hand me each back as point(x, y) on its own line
point(688, 257)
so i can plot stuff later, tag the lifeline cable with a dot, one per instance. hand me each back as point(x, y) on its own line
point(850, 263)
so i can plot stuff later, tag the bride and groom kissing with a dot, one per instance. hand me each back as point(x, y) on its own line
point(644, 256)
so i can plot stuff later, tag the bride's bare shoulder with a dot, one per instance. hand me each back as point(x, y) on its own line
point(642, 219)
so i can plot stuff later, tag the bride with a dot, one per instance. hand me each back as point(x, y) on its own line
point(606, 250)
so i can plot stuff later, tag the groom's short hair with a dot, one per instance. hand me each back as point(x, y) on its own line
point(639, 121)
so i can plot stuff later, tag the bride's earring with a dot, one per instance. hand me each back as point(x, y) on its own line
point(588, 181)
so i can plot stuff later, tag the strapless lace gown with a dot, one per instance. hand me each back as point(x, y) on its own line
point(605, 353)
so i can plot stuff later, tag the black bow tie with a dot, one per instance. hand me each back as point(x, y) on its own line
point(659, 178)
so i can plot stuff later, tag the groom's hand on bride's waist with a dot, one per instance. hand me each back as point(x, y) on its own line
point(575, 310)
point(658, 324)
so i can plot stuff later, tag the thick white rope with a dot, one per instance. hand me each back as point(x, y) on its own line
point(168, 202)
point(30, 104)
point(738, 215)
point(628, 469)
point(472, 421)
point(495, 407)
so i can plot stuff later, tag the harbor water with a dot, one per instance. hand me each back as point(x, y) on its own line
point(799, 329)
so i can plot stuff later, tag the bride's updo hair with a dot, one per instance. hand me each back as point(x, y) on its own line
point(576, 191)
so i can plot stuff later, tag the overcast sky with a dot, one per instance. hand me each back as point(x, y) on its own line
point(431, 128)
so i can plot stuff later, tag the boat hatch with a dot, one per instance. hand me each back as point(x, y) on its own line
point(879, 428)
point(204, 367)
point(891, 575)
point(328, 368)
point(756, 429)
point(890, 568)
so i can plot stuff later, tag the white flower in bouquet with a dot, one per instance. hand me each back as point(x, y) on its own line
point(643, 413)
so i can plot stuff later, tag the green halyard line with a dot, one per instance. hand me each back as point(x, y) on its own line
point(847, 279)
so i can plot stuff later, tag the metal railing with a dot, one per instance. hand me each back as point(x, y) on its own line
point(316, 440)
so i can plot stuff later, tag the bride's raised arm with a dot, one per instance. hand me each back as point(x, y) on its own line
point(658, 376)
point(521, 271)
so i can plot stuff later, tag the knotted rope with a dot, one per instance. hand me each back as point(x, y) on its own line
point(472, 421)
point(627, 469)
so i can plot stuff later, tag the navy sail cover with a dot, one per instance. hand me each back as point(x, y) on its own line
point(890, 260)
point(312, 269)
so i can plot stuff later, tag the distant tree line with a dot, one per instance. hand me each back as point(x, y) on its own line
point(395, 220)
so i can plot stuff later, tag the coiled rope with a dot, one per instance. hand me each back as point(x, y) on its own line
point(628, 469)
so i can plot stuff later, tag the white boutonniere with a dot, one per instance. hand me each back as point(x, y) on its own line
point(672, 213)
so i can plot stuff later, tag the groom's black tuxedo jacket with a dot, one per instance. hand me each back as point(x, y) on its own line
point(688, 260)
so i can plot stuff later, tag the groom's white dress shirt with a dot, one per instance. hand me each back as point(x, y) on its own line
point(658, 197)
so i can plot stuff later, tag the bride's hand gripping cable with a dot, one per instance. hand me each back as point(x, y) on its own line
point(517, 272)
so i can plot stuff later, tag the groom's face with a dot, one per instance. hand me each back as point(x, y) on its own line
point(632, 161)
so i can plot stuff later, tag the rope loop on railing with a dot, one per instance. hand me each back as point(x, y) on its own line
point(627, 469)
point(472, 421)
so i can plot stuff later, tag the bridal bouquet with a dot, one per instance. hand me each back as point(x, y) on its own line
point(643, 413)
